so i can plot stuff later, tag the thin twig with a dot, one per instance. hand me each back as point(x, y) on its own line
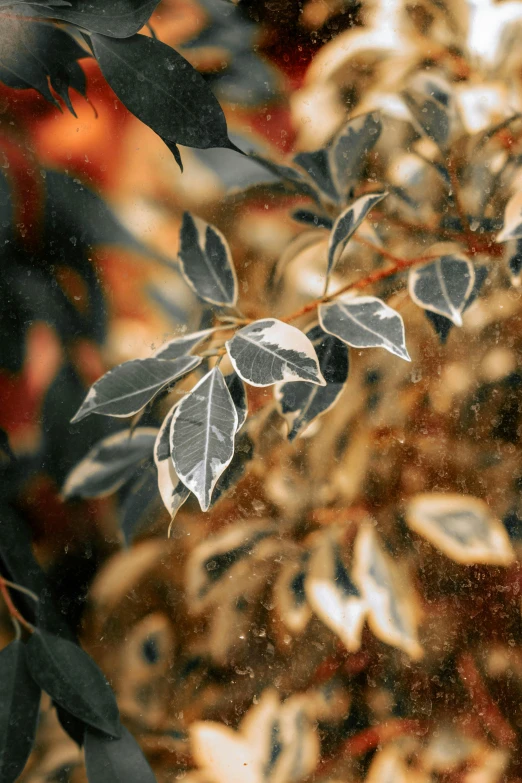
point(11, 608)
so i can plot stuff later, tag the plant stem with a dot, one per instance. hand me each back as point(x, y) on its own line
point(11, 608)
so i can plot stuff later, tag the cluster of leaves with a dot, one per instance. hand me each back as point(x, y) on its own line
point(151, 79)
point(407, 204)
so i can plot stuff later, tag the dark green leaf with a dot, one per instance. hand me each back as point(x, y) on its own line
point(115, 760)
point(310, 218)
point(116, 18)
point(141, 504)
point(73, 680)
point(19, 707)
point(163, 90)
point(238, 393)
point(126, 389)
point(244, 451)
point(110, 463)
point(206, 263)
point(42, 51)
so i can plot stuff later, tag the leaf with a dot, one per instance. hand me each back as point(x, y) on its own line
point(365, 322)
point(238, 393)
point(224, 559)
point(430, 104)
point(443, 325)
point(126, 389)
point(73, 680)
point(182, 346)
point(202, 435)
point(19, 708)
point(347, 224)
point(393, 614)
point(462, 527)
point(141, 505)
point(512, 219)
point(163, 90)
point(110, 463)
point(290, 596)
point(34, 52)
point(173, 492)
point(310, 218)
point(117, 18)
point(268, 351)
point(332, 593)
point(443, 286)
point(116, 760)
point(243, 453)
point(206, 263)
point(316, 165)
point(300, 403)
point(515, 263)
point(289, 175)
point(350, 147)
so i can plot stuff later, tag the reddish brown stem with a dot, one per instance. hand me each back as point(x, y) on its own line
point(369, 739)
point(375, 277)
point(11, 608)
point(482, 703)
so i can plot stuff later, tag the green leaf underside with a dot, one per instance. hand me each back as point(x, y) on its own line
point(116, 760)
point(269, 351)
point(126, 389)
point(110, 463)
point(19, 707)
point(443, 286)
point(206, 262)
point(116, 18)
point(73, 680)
point(202, 435)
point(163, 90)
point(301, 402)
point(365, 322)
point(347, 224)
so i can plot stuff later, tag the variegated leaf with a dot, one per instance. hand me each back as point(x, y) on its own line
point(512, 219)
point(110, 463)
point(126, 389)
point(269, 351)
point(332, 593)
point(290, 597)
point(393, 614)
point(202, 435)
point(462, 527)
point(431, 104)
point(365, 322)
point(173, 492)
point(214, 561)
point(182, 346)
point(350, 147)
point(300, 403)
point(347, 224)
point(443, 286)
point(206, 262)
point(317, 166)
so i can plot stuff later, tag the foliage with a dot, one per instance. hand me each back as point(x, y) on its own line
point(337, 597)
